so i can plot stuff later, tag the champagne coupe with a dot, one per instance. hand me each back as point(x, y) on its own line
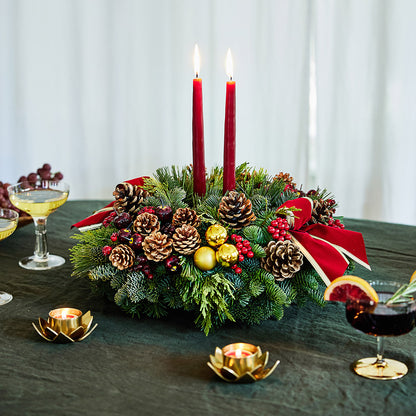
point(381, 320)
point(8, 223)
point(39, 199)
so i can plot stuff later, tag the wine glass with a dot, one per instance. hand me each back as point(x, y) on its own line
point(8, 223)
point(381, 320)
point(39, 199)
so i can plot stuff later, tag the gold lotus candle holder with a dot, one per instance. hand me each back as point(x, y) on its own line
point(241, 362)
point(65, 325)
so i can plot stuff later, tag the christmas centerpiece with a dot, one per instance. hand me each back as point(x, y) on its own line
point(237, 244)
point(241, 256)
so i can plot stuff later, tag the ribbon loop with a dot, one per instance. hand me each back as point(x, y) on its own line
point(325, 247)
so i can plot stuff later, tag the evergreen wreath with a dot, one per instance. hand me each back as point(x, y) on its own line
point(222, 257)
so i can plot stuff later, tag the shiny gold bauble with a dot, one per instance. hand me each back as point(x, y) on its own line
point(216, 235)
point(227, 255)
point(204, 258)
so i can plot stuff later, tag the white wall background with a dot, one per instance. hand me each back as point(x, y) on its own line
point(326, 90)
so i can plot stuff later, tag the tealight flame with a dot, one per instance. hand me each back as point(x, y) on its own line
point(229, 64)
point(197, 61)
point(64, 314)
point(237, 353)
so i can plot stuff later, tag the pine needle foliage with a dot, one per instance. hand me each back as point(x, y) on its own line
point(250, 296)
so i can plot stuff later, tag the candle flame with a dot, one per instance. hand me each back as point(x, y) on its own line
point(229, 64)
point(197, 61)
point(64, 314)
point(237, 353)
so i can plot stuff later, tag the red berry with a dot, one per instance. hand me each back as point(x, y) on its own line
point(288, 237)
point(287, 227)
point(238, 238)
point(240, 257)
point(238, 270)
point(250, 254)
point(150, 276)
point(233, 236)
point(246, 243)
point(114, 237)
point(276, 235)
point(244, 250)
point(239, 245)
point(271, 229)
point(234, 266)
point(107, 250)
point(274, 223)
point(281, 238)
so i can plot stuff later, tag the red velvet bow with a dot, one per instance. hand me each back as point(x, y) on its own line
point(97, 218)
point(325, 247)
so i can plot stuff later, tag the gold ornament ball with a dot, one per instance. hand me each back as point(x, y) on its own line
point(227, 255)
point(204, 258)
point(216, 235)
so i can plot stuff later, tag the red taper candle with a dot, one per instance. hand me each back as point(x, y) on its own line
point(198, 153)
point(229, 130)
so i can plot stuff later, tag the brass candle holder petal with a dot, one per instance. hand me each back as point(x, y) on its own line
point(244, 369)
point(73, 329)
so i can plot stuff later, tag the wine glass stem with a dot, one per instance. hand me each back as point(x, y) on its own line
point(41, 244)
point(380, 352)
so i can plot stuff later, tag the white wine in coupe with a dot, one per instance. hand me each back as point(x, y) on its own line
point(7, 226)
point(39, 199)
point(39, 202)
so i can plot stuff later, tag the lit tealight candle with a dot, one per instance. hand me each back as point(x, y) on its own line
point(65, 313)
point(64, 319)
point(238, 353)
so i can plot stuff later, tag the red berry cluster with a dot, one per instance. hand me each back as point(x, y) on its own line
point(336, 223)
point(279, 228)
point(142, 265)
point(244, 250)
point(109, 219)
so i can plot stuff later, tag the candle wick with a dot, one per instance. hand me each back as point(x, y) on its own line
point(231, 77)
point(196, 75)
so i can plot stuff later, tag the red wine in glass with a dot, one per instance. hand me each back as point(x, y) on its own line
point(381, 320)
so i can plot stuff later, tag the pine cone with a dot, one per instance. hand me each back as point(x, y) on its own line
point(157, 246)
point(235, 210)
point(286, 178)
point(283, 259)
point(185, 216)
point(128, 197)
point(186, 239)
point(322, 211)
point(122, 257)
point(146, 224)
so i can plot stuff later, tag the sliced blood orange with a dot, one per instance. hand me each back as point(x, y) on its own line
point(350, 287)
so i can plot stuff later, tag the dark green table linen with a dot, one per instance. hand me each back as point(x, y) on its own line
point(158, 367)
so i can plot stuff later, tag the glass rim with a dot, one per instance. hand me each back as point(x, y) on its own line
point(32, 185)
point(392, 283)
point(15, 214)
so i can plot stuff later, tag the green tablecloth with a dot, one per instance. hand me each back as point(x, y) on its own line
point(146, 367)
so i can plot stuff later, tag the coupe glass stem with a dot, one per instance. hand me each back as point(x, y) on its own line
point(41, 244)
point(380, 352)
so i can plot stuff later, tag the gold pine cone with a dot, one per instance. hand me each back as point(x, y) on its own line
point(186, 239)
point(122, 257)
point(128, 197)
point(157, 246)
point(185, 216)
point(235, 210)
point(283, 259)
point(146, 224)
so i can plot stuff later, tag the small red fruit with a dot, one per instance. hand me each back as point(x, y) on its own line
point(107, 250)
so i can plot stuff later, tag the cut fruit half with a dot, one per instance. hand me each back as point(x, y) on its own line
point(350, 287)
point(413, 277)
